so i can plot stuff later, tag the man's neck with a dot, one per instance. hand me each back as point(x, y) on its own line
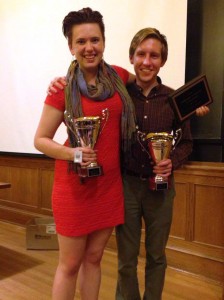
point(147, 87)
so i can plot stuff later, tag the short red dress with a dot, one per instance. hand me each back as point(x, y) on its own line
point(98, 203)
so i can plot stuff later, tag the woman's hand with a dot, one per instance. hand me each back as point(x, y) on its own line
point(59, 82)
point(202, 111)
point(163, 168)
point(88, 155)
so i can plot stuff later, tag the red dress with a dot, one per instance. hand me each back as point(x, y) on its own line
point(98, 203)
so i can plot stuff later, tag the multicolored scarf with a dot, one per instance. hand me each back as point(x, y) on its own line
point(107, 83)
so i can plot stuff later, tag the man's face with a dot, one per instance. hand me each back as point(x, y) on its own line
point(147, 61)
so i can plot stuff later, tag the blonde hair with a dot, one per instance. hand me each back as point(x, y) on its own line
point(147, 33)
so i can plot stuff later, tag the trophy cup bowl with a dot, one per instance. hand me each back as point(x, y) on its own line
point(160, 146)
point(87, 130)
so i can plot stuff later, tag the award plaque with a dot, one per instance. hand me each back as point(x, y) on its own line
point(189, 97)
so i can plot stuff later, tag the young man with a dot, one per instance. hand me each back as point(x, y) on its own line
point(148, 53)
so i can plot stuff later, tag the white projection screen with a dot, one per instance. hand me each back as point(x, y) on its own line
point(33, 51)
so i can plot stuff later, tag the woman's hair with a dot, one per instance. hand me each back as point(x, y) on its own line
point(147, 33)
point(85, 15)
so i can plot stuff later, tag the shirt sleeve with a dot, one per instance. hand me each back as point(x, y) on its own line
point(123, 73)
point(184, 148)
point(57, 100)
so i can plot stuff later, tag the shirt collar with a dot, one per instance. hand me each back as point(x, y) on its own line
point(156, 88)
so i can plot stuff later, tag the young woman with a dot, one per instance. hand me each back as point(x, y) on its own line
point(85, 214)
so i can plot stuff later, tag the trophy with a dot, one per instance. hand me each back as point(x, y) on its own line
point(160, 145)
point(86, 131)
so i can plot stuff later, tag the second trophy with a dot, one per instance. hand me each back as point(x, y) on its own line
point(160, 145)
point(86, 131)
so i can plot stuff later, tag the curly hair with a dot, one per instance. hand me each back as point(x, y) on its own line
point(85, 15)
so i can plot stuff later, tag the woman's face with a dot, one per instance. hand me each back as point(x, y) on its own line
point(87, 46)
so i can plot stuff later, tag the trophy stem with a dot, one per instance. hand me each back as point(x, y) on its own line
point(158, 183)
point(91, 170)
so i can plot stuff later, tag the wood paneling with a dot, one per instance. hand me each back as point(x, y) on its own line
point(209, 215)
point(196, 242)
point(180, 205)
point(47, 178)
point(31, 185)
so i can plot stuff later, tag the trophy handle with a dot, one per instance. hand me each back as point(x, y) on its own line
point(70, 122)
point(176, 137)
point(105, 116)
point(141, 136)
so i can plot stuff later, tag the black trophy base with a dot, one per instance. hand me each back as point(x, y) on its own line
point(157, 185)
point(90, 171)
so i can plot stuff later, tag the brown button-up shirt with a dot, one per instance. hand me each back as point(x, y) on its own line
point(154, 114)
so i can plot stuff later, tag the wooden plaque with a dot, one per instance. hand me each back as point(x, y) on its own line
point(190, 96)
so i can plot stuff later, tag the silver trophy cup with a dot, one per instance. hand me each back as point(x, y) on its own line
point(86, 131)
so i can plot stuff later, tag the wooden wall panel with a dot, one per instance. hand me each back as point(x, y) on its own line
point(5, 176)
point(209, 215)
point(179, 223)
point(47, 178)
point(201, 249)
point(31, 185)
point(25, 188)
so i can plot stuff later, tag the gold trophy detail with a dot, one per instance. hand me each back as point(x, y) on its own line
point(160, 145)
point(86, 131)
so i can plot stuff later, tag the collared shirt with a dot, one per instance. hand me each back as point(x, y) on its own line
point(154, 114)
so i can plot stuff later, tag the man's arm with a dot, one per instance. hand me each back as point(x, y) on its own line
point(60, 82)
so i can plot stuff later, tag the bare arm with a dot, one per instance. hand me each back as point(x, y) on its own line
point(51, 119)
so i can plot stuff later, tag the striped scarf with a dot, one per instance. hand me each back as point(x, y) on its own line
point(107, 83)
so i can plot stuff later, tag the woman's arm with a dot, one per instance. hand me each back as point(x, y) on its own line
point(51, 119)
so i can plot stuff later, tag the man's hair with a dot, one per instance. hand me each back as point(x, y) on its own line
point(146, 33)
point(85, 15)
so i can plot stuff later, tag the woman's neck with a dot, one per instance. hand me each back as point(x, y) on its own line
point(90, 77)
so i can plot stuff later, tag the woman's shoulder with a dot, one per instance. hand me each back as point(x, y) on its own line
point(56, 100)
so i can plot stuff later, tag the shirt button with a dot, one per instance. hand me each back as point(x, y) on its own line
point(147, 101)
point(143, 166)
point(145, 117)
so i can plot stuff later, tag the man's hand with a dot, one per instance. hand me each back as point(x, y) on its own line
point(59, 82)
point(202, 111)
point(163, 168)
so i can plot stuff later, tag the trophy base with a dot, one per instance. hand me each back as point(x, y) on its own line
point(158, 185)
point(90, 171)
